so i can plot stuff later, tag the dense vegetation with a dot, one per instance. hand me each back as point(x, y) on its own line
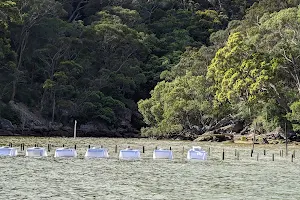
point(203, 61)
point(250, 73)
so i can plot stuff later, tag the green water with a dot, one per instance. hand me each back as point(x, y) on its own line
point(79, 178)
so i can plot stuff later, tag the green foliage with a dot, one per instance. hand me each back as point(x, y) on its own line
point(294, 115)
point(239, 72)
point(93, 60)
point(184, 103)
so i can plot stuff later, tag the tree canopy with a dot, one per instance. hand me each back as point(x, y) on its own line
point(184, 65)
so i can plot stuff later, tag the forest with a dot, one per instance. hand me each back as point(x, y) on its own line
point(151, 68)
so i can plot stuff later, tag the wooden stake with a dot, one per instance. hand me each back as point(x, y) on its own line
point(294, 153)
point(273, 157)
point(286, 141)
point(254, 138)
point(280, 153)
point(223, 155)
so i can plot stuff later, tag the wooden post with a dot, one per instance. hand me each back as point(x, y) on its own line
point(116, 148)
point(273, 157)
point(34, 145)
point(286, 140)
point(10, 144)
point(292, 157)
point(23, 147)
point(223, 155)
point(89, 146)
point(253, 142)
point(170, 148)
point(280, 153)
point(63, 145)
point(235, 152)
point(48, 147)
point(209, 151)
point(182, 154)
point(264, 152)
point(143, 149)
point(251, 154)
point(238, 155)
point(75, 147)
point(75, 123)
point(294, 153)
point(257, 156)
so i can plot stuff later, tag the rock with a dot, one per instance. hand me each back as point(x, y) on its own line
point(67, 128)
point(238, 127)
point(209, 133)
point(214, 138)
point(278, 133)
point(55, 126)
point(6, 133)
point(245, 130)
point(265, 141)
point(203, 138)
point(89, 127)
point(226, 129)
point(6, 125)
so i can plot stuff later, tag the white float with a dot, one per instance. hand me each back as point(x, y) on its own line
point(196, 153)
point(65, 152)
point(129, 154)
point(36, 152)
point(96, 153)
point(162, 154)
point(8, 151)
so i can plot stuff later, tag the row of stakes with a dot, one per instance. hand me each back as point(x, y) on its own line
point(236, 153)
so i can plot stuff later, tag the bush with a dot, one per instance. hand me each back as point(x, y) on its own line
point(243, 138)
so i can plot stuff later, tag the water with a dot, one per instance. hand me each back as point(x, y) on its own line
point(79, 178)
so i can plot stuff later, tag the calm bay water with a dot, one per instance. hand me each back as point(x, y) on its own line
point(79, 178)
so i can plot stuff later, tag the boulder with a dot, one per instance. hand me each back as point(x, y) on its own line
point(235, 127)
point(278, 133)
point(6, 133)
point(6, 125)
point(214, 138)
point(238, 127)
point(204, 138)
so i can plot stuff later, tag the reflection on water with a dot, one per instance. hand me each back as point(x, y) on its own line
point(79, 178)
